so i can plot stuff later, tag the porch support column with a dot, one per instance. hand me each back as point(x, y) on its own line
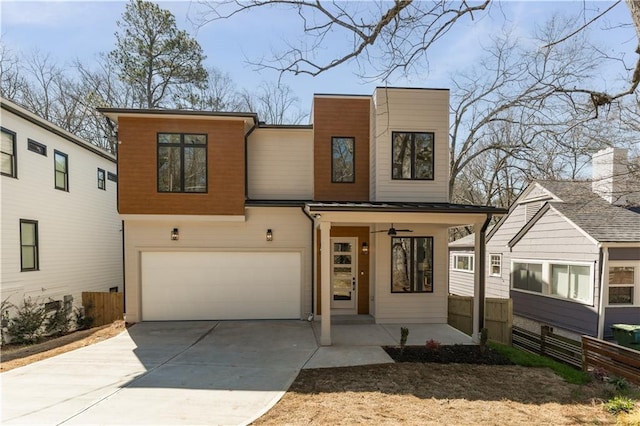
point(479, 277)
point(325, 279)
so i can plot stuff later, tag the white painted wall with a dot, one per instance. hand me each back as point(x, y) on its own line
point(412, 307)
point(291, 233)
point(80, 238)
point(280, 164)
point(411, 110)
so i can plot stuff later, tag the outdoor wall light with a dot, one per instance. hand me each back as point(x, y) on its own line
point(175, 234)
point(365, 248)
point(269, 235)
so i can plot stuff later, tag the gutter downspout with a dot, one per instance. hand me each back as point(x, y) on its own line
point(313, 263)
point(481, 270)
point(604, 261)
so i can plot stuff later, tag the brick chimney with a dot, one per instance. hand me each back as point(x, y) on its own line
point(610, 174)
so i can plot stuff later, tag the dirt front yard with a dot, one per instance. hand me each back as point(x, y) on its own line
point(435, 394)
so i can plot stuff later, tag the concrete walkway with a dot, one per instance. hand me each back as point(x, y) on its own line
point(191, 372)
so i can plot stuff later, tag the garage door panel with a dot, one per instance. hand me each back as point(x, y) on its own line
point(218, 285)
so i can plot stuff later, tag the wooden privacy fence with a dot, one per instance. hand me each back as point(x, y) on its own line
point(616, 359)
point(498, 317)
point(547, 343)
point(103, 307)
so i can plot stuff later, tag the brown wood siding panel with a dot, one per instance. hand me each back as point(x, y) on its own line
point(341, 118)
point(362, 233)
point(137, 168)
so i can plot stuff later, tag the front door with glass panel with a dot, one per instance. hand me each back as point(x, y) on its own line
point(343, 275)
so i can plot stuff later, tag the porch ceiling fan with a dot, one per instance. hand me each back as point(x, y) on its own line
point(393, 231)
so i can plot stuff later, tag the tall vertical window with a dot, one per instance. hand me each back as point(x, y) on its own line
point(28, 245)
point(102, 184)
point(61, 162)
point(621, 285)
point(496, 265)
point(412, 155)
point(182, 162)
point(412, 265)
point(343, 159)
point(8, 153)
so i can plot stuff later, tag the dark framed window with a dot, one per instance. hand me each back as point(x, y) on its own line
point(36, 147)
point(29, 260)
point(621, 285)
point(112, 177)
point(182, 162)
point(343, 160)
point(412, 265)
point(8, 153)
point(102, 183)
point(412, 155)
point(61, 165)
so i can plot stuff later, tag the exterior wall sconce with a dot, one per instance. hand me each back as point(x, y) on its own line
point(269, 235)
point(175, 234)
point(365, 248)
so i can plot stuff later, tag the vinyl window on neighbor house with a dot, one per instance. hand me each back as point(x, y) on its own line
point(571, 282)
point(527, 276)
point(343, 160)
point(568, 281)
point(102, 183)
point(28, 245)
point(182, 162)
point(412, 155)
point(8, 153)
point(463, 262)
point(61, 165)
point(495, 265)
point(621, 285)
point(412, 264)
point(36, 147)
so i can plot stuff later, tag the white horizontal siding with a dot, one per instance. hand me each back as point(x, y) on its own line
point(460, 282)
point(412, 307)
point(413, 111)
point(79, 232)
point(291, 233)
point(280, 164)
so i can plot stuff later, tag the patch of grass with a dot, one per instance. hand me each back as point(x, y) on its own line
point(527, 359)
point(620, 404)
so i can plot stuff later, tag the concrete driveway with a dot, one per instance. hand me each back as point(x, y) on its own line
point(200, 372)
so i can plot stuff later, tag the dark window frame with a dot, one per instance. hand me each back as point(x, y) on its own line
point(14, 156)
point(37, 147)
point(413, 156)
point(112, 177)
point(429, 287)
point(56, 171)
point(353, 159)
point(102, 181)
point(182, 147)
point(36, 246)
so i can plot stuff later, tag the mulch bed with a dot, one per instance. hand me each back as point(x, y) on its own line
point(447, 354)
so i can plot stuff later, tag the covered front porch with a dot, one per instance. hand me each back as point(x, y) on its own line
point(405, 275)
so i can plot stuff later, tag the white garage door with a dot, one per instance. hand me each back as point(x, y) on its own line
point(220, 285)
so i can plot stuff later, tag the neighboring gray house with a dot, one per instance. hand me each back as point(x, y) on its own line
point(568, 253)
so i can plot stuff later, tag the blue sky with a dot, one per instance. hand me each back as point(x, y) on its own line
point(82, 29)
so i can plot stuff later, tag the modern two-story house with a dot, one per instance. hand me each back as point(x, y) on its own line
point(567, 253)
point(61, 232)
point(228, 218)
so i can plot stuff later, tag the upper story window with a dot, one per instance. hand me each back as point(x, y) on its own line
point(61, 162)
point(412, 155)
point(28, 245)
point(8, 153)
point(36, 147)
point(463, 262)
point(182, 162)
point(102, 184)
point(412, 265)
point(343, 160)
point(112, 177)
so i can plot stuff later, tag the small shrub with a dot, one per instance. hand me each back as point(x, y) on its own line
point(619, 383)
point(599, 374)
point(81, 319)
point(620, 404)
point(27, 325)
point(404, 333)
point(433, 345)
point(4, 319)
point(59, 322)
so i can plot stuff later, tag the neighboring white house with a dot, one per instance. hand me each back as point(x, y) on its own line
point(61, 233)
point(567, 254)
